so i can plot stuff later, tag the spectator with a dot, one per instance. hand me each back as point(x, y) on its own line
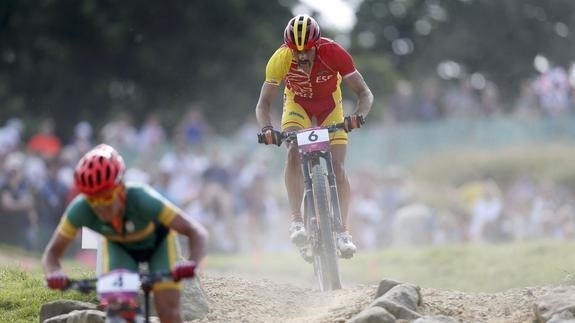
point(51, 201)
point(18, 219)
point(11, 136)
point(120, 133)
point(45, 142)
point(82, 140)
point(552, 89)
point(193, 127)
point(486, 213)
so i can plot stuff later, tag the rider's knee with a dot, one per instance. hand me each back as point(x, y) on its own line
point(169, 314)
point(339, 168)
point(293, 154)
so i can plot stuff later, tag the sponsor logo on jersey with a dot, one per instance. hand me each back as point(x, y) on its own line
point(293, 113)
point(323, 78)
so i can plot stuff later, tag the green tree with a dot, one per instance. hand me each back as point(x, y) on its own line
point(75, 59)
point(499, 39)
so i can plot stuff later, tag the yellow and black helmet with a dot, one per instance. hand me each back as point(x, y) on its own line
point(301, 33)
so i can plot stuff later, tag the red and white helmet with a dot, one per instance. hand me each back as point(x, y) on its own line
point(301, 33)
point(101, 168)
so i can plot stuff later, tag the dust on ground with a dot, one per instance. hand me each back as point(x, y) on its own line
point(237, 299)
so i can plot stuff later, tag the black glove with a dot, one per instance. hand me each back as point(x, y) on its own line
point(353, 121)
point(269, 136)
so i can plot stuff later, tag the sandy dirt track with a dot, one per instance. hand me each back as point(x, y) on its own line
point(237, 299)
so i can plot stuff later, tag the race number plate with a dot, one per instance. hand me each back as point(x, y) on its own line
point(118, 284)
point(313, 140)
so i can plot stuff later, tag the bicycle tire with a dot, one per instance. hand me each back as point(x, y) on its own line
point(326, 261)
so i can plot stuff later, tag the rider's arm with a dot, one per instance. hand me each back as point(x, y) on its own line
point(54, 252)
point(264, 105)
point(196, 233)
point(364, 96)
point(276, 69)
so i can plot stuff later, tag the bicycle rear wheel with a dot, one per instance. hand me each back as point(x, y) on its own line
point(325, 261)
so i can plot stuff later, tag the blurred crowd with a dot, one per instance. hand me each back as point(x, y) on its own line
point(548, 94)
point(388, 210)
point(240, 197)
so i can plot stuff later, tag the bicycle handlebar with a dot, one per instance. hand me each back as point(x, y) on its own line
point(87, 285)
point(291, 135)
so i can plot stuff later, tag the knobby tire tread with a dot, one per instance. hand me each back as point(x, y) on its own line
point(328, 261)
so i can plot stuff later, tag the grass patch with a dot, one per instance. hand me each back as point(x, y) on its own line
point(468, 267)
point(23, 291)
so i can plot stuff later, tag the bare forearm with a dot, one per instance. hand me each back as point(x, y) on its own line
point(364, 103)
point(264, 105)
point(263, 114)
point(197, 244)
point(51, 264)
point(54, 252)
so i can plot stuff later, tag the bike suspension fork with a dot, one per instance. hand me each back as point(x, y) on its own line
point(334, 195)
point(309, 209)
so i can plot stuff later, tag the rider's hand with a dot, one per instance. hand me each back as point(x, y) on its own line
point(184, 269)
point(57, 280)
point(353, 121)
point(269, 136)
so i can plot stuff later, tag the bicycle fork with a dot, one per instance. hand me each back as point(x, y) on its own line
point(310, 219)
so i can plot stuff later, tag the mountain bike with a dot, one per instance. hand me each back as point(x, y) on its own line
point(118, 290)
point(322, 214)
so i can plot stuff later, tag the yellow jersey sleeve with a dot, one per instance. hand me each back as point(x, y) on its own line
point(169, 212)
point(66, 228)
point(278, 65)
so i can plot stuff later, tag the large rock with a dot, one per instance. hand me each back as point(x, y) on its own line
point(405, 294)
point(194, 301)
point(385, 285)
point(373, 315)
point(79, 316)
point(397, 302)
point(558, 305)
point(59, 307)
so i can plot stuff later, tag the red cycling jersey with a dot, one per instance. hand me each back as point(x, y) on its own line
point(319, 91)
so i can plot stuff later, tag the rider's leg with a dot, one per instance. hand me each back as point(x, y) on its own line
point(294, 186)
point(294, 181)
point(338, 153)
point(344, 242)
point(294, 117)
point(167, 292)
point(167, 302)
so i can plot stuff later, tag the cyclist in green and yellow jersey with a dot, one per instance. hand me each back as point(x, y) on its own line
point(137, 224)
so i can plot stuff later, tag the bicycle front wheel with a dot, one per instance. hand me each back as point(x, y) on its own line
point(326, 261)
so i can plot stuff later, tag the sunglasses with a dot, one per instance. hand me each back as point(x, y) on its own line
point(105, 198)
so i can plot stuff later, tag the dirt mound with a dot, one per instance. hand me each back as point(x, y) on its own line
point(237, 299)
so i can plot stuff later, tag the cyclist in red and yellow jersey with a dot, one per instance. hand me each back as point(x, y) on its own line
point(312, 68)
point(136, 223)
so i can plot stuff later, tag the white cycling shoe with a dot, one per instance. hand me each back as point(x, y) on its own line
point(344, 244)
point(297, 234)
